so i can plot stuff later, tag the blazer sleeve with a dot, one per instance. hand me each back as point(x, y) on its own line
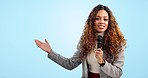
point(68, 63)
point(114, 70)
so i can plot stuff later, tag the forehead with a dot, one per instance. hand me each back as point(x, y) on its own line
point(102, 13)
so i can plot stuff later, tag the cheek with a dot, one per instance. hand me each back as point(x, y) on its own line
point(96, 26)
point(106, 24)
point(95, 23)
point(106, 27)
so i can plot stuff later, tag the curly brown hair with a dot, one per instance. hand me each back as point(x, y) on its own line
point(114, 41)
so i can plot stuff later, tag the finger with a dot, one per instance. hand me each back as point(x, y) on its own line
point(99, 49)
point(97, 55)
point(98, 52)
point(46, 41)
point(38, 43)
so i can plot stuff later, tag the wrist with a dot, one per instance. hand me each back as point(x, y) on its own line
point(102, 63)
point(49, 51)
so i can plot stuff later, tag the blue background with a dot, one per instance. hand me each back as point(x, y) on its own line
point(62, 23)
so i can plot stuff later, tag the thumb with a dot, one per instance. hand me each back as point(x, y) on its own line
point(46, 41)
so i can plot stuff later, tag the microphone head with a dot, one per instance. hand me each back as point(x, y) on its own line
point(99, 41)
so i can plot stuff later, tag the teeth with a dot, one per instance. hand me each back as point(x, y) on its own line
point(101, 26)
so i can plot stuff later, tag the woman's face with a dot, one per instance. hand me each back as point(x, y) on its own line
point(101, 21)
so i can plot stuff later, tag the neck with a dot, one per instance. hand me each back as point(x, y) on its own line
point(101, 33)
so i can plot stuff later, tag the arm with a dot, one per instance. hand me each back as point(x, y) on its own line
point(115, 69)
point(68, 63)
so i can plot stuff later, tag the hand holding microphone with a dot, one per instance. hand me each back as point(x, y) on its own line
point(99, 52)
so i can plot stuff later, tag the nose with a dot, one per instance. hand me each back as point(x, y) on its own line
point(101, 21)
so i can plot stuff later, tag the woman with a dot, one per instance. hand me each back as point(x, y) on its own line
point(97, 62)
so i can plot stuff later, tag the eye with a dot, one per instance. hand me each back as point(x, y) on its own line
point(97, 18)
point(105, 19)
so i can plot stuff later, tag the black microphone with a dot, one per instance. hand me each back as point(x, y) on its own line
point(99, 41)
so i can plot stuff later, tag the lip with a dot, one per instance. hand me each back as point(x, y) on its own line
point(101, 26)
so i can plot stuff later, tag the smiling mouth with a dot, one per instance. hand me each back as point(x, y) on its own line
point(101, 27)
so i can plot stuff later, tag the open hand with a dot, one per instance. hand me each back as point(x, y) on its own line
point(44, 46)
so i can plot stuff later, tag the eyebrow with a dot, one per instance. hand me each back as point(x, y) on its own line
point(102, 16)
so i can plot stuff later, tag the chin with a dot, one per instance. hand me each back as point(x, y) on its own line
point(100, 31)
